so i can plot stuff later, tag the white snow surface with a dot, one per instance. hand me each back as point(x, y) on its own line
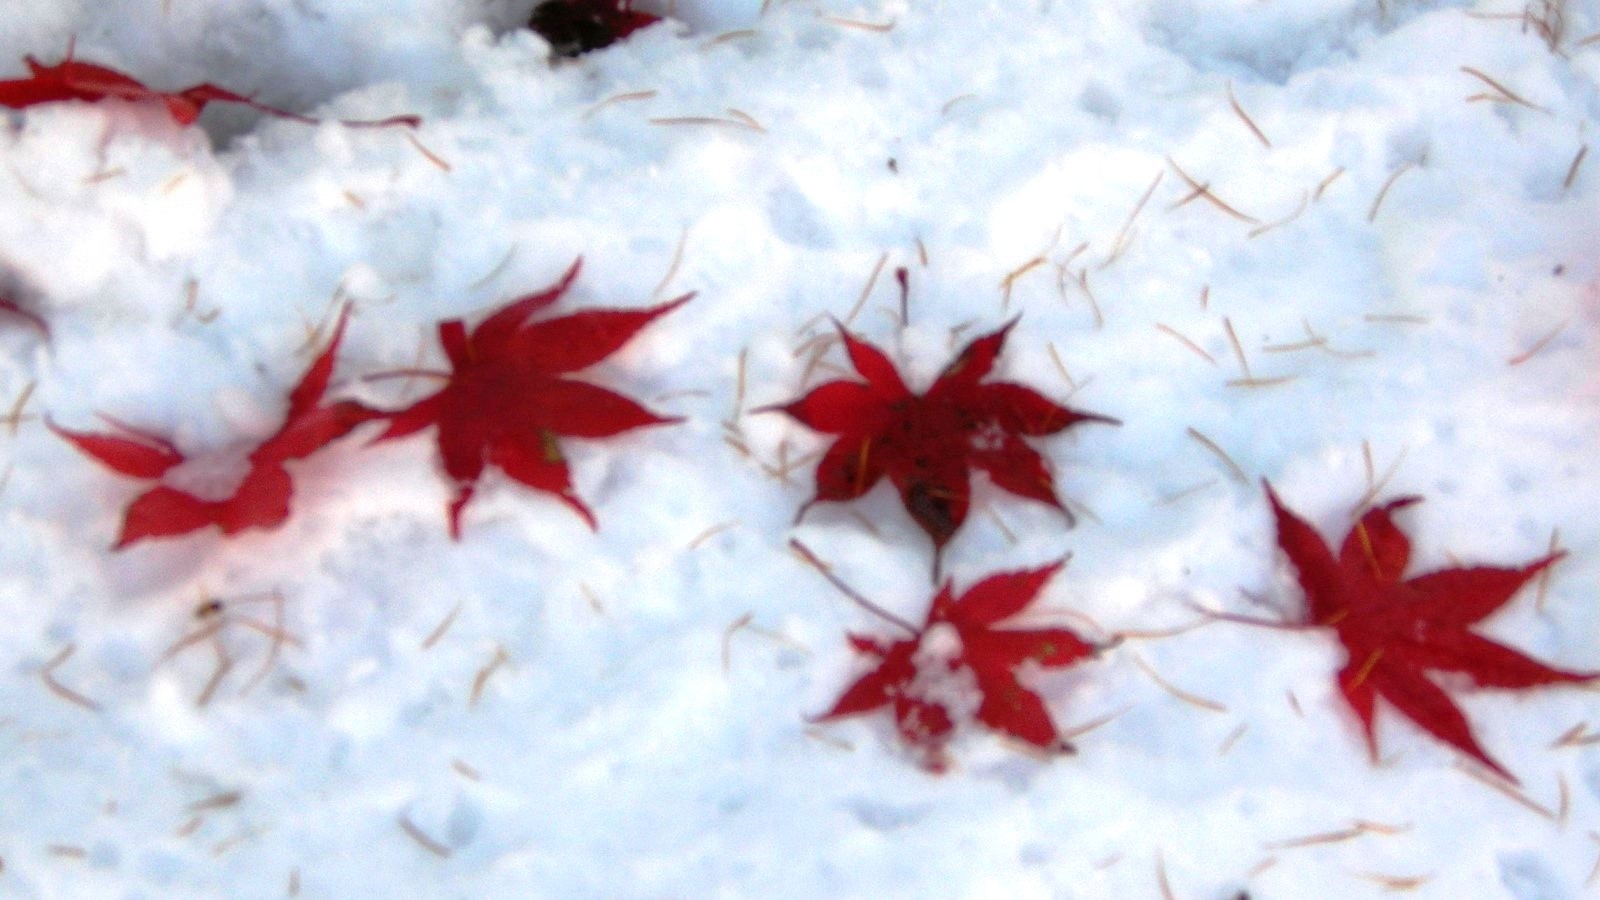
point(624, 713)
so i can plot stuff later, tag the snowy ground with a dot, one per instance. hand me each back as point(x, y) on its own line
point(542, 710)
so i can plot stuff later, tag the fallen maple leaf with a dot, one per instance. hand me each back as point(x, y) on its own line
point(574, 27)
point(261, 498)
point(506, 402)
point(927, 443)
point(959, 666)
point(1394, 629)
point(73, 79)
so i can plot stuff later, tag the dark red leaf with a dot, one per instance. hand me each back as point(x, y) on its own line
point(573, 27)
point(928, 443)
point(1394, 631)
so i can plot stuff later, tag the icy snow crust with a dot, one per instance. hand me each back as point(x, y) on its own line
point(627, 739)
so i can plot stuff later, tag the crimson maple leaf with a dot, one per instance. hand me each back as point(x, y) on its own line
point(505, 402)
point(961, 665)
point(1394, 629)
point(261, 499)
point(574, 27)
point(73, 79)
point(927, 443)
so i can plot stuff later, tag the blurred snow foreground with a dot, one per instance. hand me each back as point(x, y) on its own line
point(1346, 246)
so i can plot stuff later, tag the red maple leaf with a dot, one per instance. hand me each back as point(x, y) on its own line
point(960, 665)
point(506, 403)
point(1394, 629)
point(928, 443)
point(261, 498)
point(574, 27)
point(73, 79)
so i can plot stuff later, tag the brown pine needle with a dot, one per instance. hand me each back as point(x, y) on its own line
point(872, 281)
point(1161, 878)
point(1073, 732)
point(1564, 804)
point(1094, 305)
point(1396, 882)
point(1594, 873)
point(14, 418)
point(216, 801)
point(591, 598)
point(1314, 840)
point(1501, 786)
point(1185, 493)
point(1578, 735)
point(857, 24)
point(1259, 230)
point(1238, 348)
point(427, 154)
point(1250, 123)
point(1186, 696)
point(1196, 348)
point(1259, 382)
point(423, 840)
point(1216, 449)
point(106, 175)
point(1232, 739)
point(439, 630)
point(744, 124)
point(746, 118)
point(1012, 276)
point(48, 675)
point(672, 268)
point(1502, 93)
point(709, 533)
point(1125, 233)
point(1538, 345)
point(1061, 367)
point(727, 639)
point(1572, 170)
point(1544, 574)
point(1377, 202)
point(1294, 704)
point(1377, 486)
point(1326, 183)
point(481, 680)
point(466, 770)
point(1204, 191)
point(723, 38)
point(628, 96)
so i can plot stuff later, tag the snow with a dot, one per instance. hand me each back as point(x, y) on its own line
point(567, 713)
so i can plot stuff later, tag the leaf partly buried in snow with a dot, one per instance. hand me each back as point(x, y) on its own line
point(962, 665)
point(262, 497)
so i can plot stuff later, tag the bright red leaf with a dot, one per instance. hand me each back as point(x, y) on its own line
point(1394, 629)
point(73, 79)
point(261, 499)
point(928, 443)
point(962, 664)
point(506, 402)
point(573, 27)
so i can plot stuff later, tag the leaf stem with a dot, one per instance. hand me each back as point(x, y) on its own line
point(812, 560)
